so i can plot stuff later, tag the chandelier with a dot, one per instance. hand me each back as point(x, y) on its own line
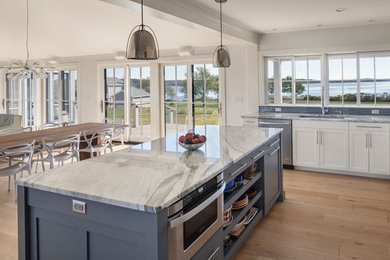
point(23, 69)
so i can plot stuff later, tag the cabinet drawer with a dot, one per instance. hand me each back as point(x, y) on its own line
point(368, 126)
point(236, 169)
point(212, 250)
point(320, 124)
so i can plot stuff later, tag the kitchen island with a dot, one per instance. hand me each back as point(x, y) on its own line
point(118, 206)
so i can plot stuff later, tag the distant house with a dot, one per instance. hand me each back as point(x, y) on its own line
point(118, 92)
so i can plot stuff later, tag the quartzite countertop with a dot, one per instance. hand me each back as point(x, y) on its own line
point(327, 117)
point(153, 175)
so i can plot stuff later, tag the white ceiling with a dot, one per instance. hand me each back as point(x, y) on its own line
point(263, 16)
point(68, 28)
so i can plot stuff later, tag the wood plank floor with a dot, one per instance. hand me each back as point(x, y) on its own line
point(324, 216)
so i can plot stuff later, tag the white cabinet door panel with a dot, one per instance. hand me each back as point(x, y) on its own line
point(379, 152)
point(358, 151)
point(305, 145)
point(334, 149)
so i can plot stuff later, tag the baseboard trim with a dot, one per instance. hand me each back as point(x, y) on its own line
point(358, 174)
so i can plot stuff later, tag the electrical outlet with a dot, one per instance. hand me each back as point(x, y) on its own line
point(375, 112)
point(79, 206)
point(278, 109)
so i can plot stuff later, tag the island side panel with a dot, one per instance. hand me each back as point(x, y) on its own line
point(23, 227)
point(54, 231)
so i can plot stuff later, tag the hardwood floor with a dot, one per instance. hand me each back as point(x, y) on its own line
point(324, 216)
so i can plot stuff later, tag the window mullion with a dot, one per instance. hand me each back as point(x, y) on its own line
point(358, 96)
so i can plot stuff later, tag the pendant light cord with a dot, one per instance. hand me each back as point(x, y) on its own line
point(142, 14)
point(220, 18)
point(27, 18)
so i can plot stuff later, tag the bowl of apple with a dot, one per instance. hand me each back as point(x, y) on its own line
point(192, 141)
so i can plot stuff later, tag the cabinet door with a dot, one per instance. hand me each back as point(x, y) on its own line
point(379, 152)
point(272, 162)
point(333, 149)
point(358, 151)
point(305, 145)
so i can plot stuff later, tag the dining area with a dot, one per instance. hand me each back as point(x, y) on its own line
point(33, 151)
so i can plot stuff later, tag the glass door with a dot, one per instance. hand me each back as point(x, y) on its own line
point(191, 97)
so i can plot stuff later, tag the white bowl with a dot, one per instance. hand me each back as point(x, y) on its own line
point(191, 147)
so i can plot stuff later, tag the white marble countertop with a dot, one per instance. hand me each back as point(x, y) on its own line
point(153, 175)
point(327, 117)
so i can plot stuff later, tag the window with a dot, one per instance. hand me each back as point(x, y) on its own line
point(69, 96)
point(12, 96)
point(293, 80)
point(374, 79)
point(52, 98)
point(19, 99)
point(61, 96)
point(127, 99)
point(343, 79)
point(114, 95)
point(190, 104)
point(359, 79)
point(140, 101)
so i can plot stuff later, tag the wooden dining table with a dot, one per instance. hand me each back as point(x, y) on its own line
point(28, 137)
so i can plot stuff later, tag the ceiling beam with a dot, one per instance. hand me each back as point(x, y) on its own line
point(186, 15)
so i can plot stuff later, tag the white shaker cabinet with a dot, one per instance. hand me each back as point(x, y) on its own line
point(320, 144)
point(334, 148)
point(358, 151)
point(305, 147)
point(369, 148)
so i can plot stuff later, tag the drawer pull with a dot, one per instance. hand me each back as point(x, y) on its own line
point(215, 251)
point(272, 123)
point(272, 154)
point(239, 169)
point(370, 126)
point(275, 143)
point(258, 156)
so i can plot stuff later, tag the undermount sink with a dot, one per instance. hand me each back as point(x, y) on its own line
point(322, 116)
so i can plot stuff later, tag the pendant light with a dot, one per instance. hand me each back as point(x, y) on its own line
point(20, 70)
point(142, 42)
point(221, 57)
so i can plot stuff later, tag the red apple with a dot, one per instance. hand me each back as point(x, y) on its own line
point(195, 141)
point(190, 136)
point(181, 139)
point(202, 139)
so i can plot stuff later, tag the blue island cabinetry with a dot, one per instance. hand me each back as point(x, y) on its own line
point(71, 213)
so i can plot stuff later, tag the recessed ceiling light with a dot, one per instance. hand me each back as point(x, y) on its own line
point(339, 10)
point(53, 62)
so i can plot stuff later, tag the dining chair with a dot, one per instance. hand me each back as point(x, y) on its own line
point(98, 141)
point(59, 150)
point(47, 126)
point(19, 160)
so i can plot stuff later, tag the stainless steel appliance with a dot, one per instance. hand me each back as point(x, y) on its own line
point(195, 219)
point(286, 137)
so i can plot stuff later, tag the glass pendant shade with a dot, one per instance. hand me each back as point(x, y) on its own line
point(221, 57)
point(142, 44)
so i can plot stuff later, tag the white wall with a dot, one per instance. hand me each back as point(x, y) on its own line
point(89, 105)
point(241, 83)
point(360, 38)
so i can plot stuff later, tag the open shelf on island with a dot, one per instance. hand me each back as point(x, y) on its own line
point(231, 198)
point(236, 244)
point(239, 214)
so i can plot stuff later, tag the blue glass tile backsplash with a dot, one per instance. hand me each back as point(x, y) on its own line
point(331, 110)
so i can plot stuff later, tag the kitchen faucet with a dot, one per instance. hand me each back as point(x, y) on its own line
point(323, 109)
